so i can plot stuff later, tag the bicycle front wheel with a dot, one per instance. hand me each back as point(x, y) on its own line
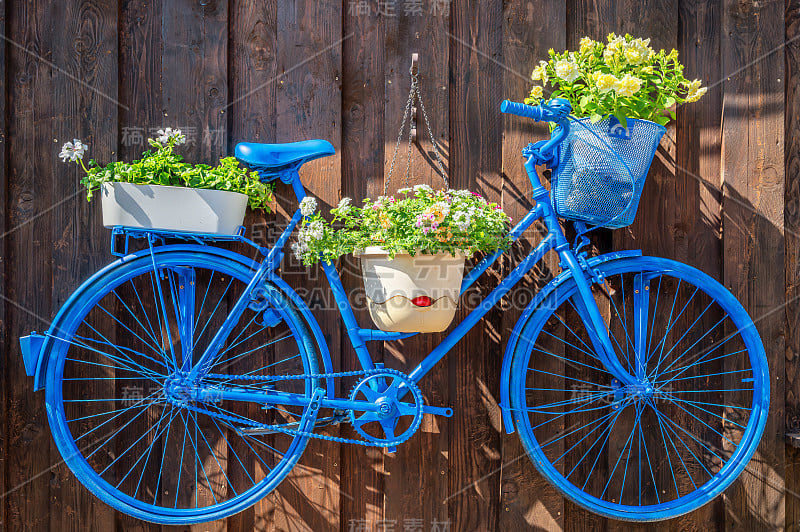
point(676, 438)
point(121, 414)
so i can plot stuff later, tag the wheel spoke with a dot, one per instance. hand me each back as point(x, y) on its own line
point(638, 450)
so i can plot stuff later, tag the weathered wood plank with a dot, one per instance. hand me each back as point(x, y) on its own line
point(251, 118)
point(28, 245)
point(309, 106)
point(87, 110)
point(5, 339)
point(792, 257)
point(363, 66)
point(476, 164)
point(417, 474)
point(194, 75)
point(595, 19)
point(698, 193)
point(194, 38)
point(140, 92)
point(753, 245)
point(527, 500)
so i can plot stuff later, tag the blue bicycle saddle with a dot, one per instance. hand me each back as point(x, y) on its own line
point(270, 160)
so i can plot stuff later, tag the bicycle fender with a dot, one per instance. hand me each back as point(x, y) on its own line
point(533, 306)
point(312, 323)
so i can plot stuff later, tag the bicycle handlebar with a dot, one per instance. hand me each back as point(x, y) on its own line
point(557, 110)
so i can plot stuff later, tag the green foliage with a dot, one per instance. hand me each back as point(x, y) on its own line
point(418, 220)
point(624, 78)
point(162, 166)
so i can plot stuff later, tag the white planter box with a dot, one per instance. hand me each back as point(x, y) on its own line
point(395, 287)
point(172, 208)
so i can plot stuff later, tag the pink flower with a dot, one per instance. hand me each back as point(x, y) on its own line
point(476, 194)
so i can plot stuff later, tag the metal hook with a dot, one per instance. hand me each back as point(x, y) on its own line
point(414, 71)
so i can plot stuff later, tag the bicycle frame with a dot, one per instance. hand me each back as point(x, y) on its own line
point(553, 240)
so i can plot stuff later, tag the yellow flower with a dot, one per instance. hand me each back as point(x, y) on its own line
point(605, 82)
point(537, 92)
point(614, 47)
point(648, 69)
point(567, 70)
point(537, 74)
point(695, 91)
point(633, 56)
point(385, 222)
point(586, 44)
point(628, 85)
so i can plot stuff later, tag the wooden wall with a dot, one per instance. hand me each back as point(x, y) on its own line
point(724, 195)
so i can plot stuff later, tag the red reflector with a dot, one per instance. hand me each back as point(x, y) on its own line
point(422, 301)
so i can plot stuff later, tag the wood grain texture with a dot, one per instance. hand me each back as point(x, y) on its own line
point(140, 47)
point(792, 256)
point(87, 110)
point(28, 244)
point(5, 338)
point(753, 247)
point(416, 482)
point(308, 104)
point(476, 164)
point(194, 38)
point(719, 197)
point(363, 66)
point(251, 116)
point(527, 500)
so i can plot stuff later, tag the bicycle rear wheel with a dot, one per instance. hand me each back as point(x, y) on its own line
point(125, 422)
point(679, 436)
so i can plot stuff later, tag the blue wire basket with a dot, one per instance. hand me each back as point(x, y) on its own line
point(601, 169)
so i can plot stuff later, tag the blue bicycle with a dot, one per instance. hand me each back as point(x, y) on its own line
point(183, 381)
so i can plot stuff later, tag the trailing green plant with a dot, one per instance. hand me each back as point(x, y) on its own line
point(162, 166)
point(415, 220)
point(624, 77)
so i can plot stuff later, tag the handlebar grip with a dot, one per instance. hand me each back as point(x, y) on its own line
point(521, 109)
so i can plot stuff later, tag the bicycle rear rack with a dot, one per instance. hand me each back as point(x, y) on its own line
point(159, 237)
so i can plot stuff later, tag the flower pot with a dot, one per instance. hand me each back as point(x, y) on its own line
point(411, 293)
point(172, 208)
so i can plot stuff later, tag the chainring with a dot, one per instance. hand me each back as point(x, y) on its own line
point(385, 389)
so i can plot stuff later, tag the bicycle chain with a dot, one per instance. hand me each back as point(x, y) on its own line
point(291, 432)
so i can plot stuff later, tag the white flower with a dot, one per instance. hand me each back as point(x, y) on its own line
point(405, 190)
point(344, 204)
point(167, 134)
point(567, 70)
point(314, 230)
point(422, 187)
point(299, 248)
point(73, 150)
point(308, 206)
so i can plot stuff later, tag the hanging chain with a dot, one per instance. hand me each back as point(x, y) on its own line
point(433, 142)
point(406, 114)
point(414, 91)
